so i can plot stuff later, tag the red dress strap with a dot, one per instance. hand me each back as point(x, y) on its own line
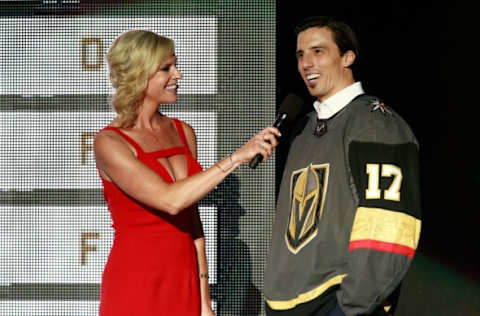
point(181, 132)
point(128, 139)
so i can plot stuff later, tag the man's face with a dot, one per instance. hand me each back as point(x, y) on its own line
point(322, 68)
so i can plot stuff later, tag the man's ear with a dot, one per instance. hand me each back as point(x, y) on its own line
point(348, 58)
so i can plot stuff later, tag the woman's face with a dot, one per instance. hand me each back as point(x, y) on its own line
point(163, 85)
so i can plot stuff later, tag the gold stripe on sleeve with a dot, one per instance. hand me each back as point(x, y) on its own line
point(307, 296)
point(387, 226)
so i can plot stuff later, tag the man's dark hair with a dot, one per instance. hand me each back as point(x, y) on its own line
point(343, 34)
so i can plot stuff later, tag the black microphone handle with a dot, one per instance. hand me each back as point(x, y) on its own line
point(258, 157)
point(255, 161)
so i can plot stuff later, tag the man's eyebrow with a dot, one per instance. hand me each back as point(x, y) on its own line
point(300, 51)
point(318, 47)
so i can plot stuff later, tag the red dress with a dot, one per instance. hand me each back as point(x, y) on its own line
point(152, 268)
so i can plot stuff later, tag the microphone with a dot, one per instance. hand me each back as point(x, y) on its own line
point(288, 111)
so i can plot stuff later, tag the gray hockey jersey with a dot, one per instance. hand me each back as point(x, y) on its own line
point(348, 211)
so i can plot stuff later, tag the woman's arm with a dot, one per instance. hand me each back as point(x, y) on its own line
point(206, 301)
point(199, 236)
point(116, 159)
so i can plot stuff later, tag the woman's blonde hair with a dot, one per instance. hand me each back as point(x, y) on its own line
point(132, 59)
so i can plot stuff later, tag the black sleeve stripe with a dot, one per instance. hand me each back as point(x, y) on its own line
point(386, 176)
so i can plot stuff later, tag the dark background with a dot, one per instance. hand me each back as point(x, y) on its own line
point(417, 58)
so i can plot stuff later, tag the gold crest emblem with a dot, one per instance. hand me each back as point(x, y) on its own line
point(307, 194)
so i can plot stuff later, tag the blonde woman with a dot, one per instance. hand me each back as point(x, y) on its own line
point(152, 183)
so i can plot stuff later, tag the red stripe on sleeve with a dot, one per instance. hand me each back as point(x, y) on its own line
point(382, 246)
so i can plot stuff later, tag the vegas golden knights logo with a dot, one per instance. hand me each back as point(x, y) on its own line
point(308, 187)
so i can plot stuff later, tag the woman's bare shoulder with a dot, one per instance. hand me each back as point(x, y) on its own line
point(108, 141)
point(189, 130)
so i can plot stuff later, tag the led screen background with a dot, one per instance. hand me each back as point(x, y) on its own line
point(55, 229)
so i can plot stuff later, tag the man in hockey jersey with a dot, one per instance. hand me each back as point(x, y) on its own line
point(348, 212)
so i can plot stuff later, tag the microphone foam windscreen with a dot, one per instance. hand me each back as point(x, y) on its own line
point(291, 105)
